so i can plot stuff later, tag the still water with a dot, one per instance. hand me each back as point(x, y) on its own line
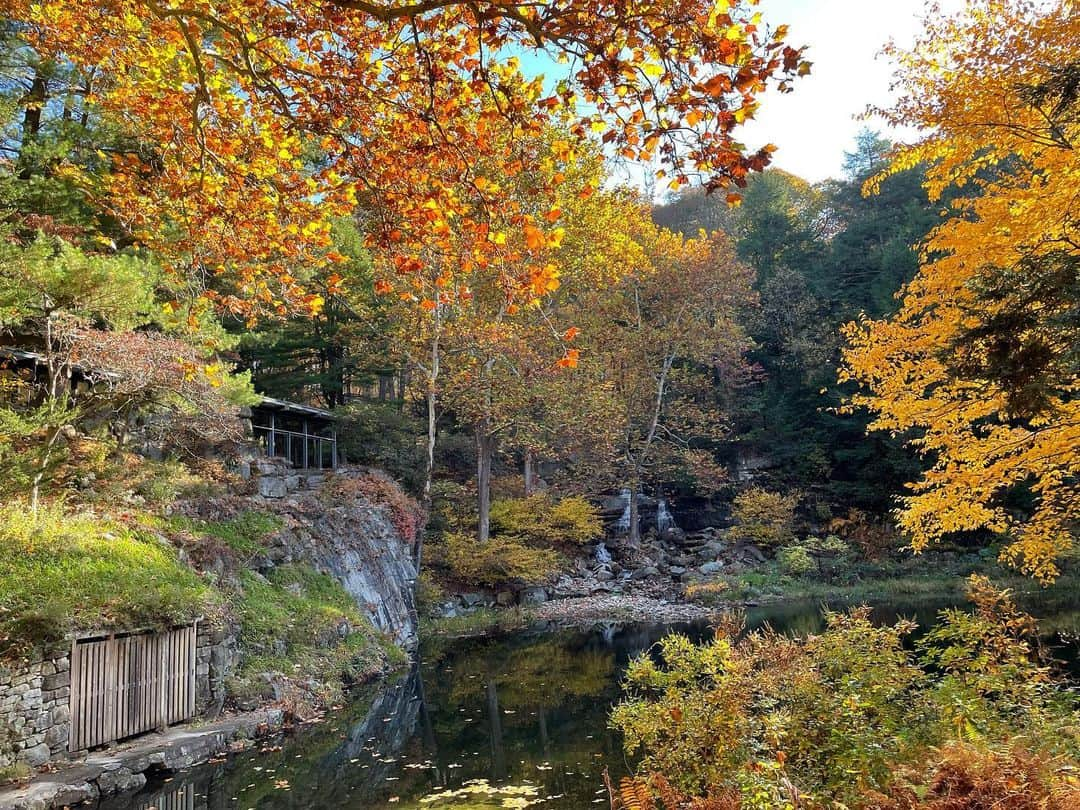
point(510, 721)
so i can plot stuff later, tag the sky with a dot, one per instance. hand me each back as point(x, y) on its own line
point(816, 123)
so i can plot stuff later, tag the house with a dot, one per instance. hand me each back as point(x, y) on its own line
point(301, 434)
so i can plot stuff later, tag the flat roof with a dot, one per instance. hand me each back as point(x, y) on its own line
point(294, 407)
point(42, 360)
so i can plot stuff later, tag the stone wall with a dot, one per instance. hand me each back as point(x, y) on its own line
point(35, 719)
point(216, 658)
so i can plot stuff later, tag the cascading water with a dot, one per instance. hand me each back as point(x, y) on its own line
point(623, 526)
point(603, 556)
point(664, 521)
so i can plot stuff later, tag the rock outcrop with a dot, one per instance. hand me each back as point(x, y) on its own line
point(356, 542)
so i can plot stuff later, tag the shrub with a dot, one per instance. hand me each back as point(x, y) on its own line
point(429, 593)
point(380, 490)
point(968, 777)
point(540, 520)
point(796, 561)
point(874, 536)
point(765, 518)
point(61, 572)
point(575, 520)
point(502, 559)
point(848, 715)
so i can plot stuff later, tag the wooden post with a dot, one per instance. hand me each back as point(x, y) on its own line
point(110, 683)
point(192, 648)
point(270, 437)
point(333, 448)
point(162, 696)
point(74, 698)
point(306, 433)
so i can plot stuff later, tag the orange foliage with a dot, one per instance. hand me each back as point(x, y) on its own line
point(254, 123)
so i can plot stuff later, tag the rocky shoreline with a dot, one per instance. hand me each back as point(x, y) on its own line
point(616, 608)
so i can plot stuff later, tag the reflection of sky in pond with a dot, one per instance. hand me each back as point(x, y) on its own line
point(512, 721)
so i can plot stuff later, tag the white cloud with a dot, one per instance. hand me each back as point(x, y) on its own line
point(815, 124)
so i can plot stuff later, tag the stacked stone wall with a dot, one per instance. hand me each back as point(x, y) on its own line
point(34, 715)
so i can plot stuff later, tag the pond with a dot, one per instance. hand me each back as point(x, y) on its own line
point(503, 721)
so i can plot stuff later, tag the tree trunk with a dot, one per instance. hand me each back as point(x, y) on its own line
point(402, 384)
point(35, 103)
point(429, 473)
point(485, 445)
point(530, 473)
point(635, 514)
point(498, 753)
point(43, 467)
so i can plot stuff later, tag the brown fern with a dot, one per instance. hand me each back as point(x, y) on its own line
point(632, 794)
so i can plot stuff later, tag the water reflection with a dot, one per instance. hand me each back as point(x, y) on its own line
point(527, 712)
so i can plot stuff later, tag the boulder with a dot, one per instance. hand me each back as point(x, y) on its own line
point(37, 756)
point(271, 486)
point(534, 596)
point(711, 568)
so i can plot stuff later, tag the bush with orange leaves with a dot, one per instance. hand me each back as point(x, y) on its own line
point(379, 489)
point(968, 717)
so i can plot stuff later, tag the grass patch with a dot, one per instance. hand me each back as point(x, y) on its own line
point(920, 576)
point(304, 625)
point(245, 533)
point(61, 572)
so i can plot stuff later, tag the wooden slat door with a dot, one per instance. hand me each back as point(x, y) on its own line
point(125, 685)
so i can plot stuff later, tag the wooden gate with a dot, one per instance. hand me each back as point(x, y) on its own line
point(126, 684)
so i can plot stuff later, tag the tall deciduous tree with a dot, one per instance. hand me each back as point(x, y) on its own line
point(980, 361)
point(659, 338)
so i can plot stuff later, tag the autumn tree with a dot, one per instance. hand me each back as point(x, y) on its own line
point(659, 338)
point(484, 334)
point(249, 127)
point(979, 364)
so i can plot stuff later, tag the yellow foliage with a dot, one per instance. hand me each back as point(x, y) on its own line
point(539, 519)
point(763, 517)
point(499, 560)
point(979, 362)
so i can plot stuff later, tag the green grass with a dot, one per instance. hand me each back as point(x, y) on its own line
point(245, 534)
point(60, 573)
point(304, 625)
point(929, 575)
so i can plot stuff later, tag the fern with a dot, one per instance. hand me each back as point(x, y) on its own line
point(635, 795)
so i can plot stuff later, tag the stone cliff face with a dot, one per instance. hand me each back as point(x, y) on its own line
point(354, 524)
point(344, 532)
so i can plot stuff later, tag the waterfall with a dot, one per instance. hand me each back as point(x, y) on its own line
point(603, 556)
point(623, 526)
point(664, 521)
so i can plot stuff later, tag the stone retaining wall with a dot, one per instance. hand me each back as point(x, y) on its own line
point(35, 719)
